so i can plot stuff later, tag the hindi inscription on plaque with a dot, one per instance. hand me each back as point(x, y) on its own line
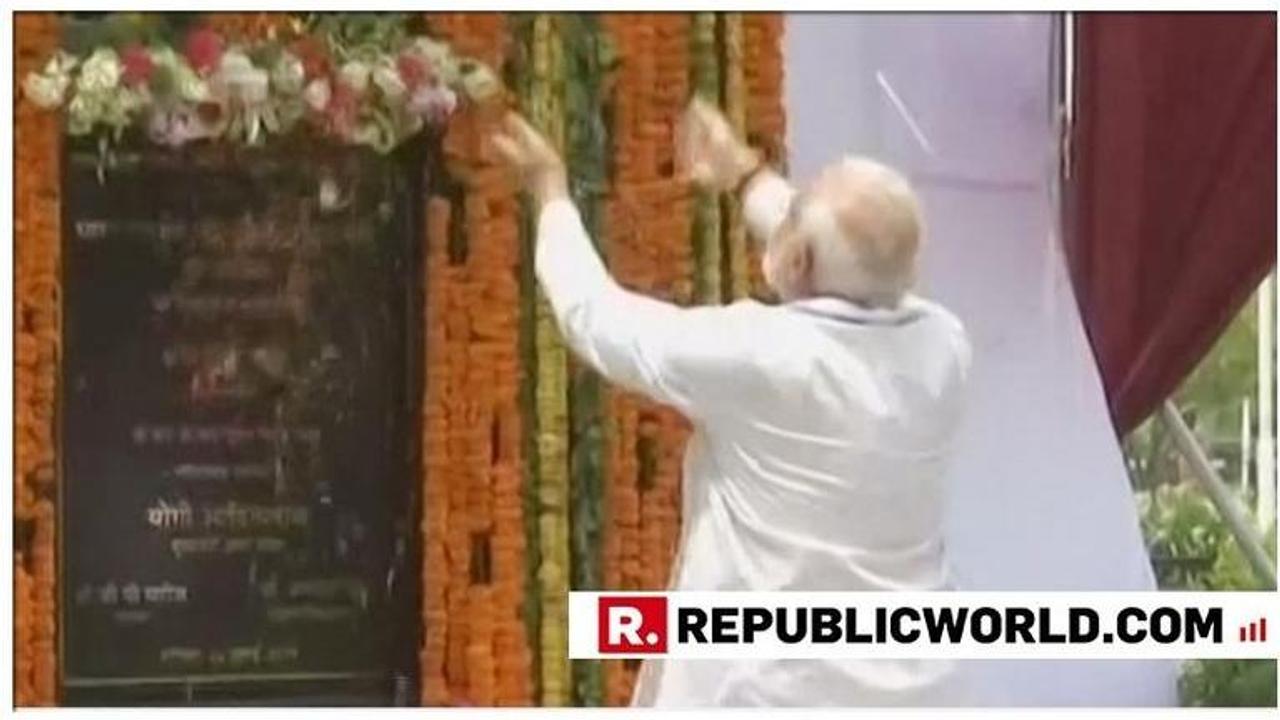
point(238, 418)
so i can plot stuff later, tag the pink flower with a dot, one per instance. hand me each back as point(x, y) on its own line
point(138, 66)
point(413, 70)
point(340, 113)
point(177, 126)
point(433, 103)
point(204, 50)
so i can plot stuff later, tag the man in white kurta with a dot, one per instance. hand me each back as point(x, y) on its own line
point(822, 424)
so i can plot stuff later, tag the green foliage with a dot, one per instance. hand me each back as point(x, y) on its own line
point(1229, 683)
point(1192, 549)
point(517, 74)
point(1227, 373)
point(1211, 398)
point(1191, 546)
point(82, 32)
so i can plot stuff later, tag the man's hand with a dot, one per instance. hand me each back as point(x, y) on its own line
point(710, 153)
point(541, 171)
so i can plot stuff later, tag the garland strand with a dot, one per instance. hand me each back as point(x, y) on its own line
point(475, 644)
point(587, 58)
point(706, 223)
point(521, 80)
point(545, 109)
point(37, 348)
point(497, 548)
point(734, 93)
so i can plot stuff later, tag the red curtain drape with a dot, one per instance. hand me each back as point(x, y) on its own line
point(1170, 215)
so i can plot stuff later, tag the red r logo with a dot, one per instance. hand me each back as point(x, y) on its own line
point(632, 624)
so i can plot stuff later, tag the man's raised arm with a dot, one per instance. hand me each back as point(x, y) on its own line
point(685, 357)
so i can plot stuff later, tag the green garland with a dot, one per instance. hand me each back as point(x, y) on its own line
point(706, 213)
point(520, 77)
point(734, 94)
point(545, 109)
point(588, 58)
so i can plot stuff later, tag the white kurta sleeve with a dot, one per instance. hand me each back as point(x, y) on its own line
point(690, 358)
point(765, 204)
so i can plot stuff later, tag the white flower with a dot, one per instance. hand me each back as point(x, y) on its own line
point(48, 88)
point(117, 108)
point(317, 94)
point(238, 79)
point(438, 57)
point(191, 87)
point(82, 113)
point(62, 63)
point(46, 91)
point(388, 80)
point(101, 72)
point(480, 83)
point(330, 195)
point(288, 75)
point(355, 75)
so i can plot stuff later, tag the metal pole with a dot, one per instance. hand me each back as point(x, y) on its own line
point(1246, 443)
point(1229, 507)
point(1266, 445)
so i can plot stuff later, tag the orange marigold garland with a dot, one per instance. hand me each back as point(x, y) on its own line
point(252, 25)
point(649, 217)
point(476, 646)
point(37, 300)
point(476, 649)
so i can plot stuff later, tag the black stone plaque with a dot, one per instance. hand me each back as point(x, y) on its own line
point(239, 431)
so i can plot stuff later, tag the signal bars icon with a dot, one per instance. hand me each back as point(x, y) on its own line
point(1255, 631)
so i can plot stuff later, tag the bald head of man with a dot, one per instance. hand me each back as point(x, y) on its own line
point(855, 233)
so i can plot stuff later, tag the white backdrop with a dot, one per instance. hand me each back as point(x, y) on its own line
point(1039, 496)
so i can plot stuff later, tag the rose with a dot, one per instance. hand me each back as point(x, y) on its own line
point(413, 69)
point(100, 73)
point(340, 113)
point(317, 94)
point(138, 65)
point(204, 49)
point(355, 75)
point(289, 75)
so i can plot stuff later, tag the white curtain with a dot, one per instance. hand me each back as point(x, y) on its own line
point(1039, 497)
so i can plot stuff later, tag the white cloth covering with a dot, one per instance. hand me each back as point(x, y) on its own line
point(822, 430)
point(1038, 496)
